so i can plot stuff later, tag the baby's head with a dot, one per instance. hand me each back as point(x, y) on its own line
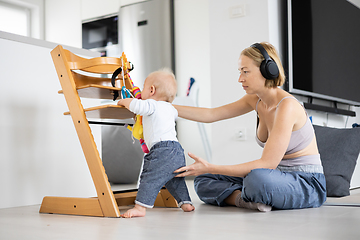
point(160, 85)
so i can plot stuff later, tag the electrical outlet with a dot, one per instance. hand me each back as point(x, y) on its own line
point(240, 134)
point(237, 11)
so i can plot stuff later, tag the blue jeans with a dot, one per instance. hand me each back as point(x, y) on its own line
point(279, 189)
point(158, 170)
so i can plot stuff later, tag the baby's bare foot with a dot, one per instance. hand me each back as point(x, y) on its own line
point(186, 207)
point(137, 211)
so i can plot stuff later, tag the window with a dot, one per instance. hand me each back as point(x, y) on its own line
point(15, 19)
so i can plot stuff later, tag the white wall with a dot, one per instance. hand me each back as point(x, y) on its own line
point(228, 36)
point(192, 59)
point(63, 22)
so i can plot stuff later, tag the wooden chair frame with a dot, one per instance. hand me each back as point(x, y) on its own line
point(74, 86)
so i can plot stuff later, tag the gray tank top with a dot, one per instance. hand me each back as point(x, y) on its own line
point(299, 140)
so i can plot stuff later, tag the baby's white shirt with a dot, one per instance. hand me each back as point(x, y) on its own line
point(158, 120)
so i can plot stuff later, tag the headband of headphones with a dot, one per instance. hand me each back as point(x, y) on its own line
point(268, 67)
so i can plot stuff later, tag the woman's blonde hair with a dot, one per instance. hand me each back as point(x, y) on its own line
point(257, 57)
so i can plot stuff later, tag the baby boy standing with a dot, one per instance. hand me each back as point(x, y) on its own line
point(166, 154)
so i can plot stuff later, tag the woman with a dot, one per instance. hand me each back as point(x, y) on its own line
point(289, 174)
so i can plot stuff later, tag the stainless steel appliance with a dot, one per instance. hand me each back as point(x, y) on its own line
point(101, 35)
point(146, 35)
point(121, 155)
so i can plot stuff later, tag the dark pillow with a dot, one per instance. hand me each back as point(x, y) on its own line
point(339, 149)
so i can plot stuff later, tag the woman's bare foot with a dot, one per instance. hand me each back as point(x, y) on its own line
point(137, 211)
point(235, 199)
point(187, 207)
point(230, 200)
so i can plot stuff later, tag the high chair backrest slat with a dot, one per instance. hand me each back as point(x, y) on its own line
point(98, 65)
point(101, 65)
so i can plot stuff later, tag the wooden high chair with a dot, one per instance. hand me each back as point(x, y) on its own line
point(74, 84)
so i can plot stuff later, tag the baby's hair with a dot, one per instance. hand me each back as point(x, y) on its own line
point(165, 83)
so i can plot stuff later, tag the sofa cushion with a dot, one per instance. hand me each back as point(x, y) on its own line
point(339, 150)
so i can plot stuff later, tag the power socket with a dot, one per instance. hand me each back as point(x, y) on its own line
point(240, 134)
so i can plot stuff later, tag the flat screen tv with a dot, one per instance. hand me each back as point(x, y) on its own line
point(323, 49)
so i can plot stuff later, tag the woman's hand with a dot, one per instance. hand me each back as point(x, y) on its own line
point(200, 166)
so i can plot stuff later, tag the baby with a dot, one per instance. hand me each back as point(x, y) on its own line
point(166, 154)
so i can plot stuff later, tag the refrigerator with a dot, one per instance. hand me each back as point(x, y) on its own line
point(146, 35)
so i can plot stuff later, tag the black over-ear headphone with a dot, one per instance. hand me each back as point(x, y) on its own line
point(268, 67)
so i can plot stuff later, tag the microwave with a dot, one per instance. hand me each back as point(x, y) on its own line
point(100, 33)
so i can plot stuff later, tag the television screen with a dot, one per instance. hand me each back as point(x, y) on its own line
point(324, 49)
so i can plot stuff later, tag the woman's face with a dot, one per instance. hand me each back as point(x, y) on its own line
point(250, 76)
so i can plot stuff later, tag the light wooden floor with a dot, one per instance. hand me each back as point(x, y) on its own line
point(207, 222)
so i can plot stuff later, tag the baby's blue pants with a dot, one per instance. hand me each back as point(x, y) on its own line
point(158, 170)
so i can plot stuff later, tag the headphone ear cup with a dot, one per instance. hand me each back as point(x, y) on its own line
point(269, 69)
point(272, 69)
point(263, 69)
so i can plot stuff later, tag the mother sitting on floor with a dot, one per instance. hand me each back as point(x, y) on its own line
point(289, 174)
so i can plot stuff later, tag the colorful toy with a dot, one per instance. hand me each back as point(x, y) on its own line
point(137, 128)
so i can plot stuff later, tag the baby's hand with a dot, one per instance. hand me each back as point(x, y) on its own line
point(125, 102)
point(120, 102)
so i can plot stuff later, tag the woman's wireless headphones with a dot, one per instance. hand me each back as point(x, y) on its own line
point(268, 67)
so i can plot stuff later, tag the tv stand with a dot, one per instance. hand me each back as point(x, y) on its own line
point(333, 110)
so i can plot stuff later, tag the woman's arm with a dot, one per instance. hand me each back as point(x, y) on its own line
point(200, 166)
point(274, 150)
point(208, 115)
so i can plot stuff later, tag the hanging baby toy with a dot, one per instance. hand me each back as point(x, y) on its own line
point(137, 129)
